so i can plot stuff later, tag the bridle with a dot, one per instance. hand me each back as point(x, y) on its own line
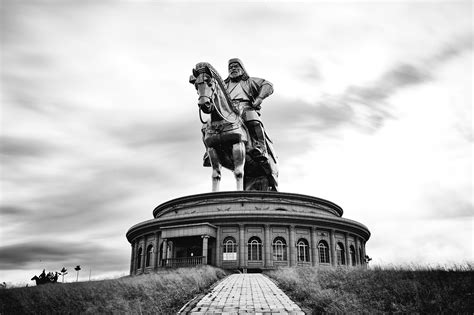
point(211, 98)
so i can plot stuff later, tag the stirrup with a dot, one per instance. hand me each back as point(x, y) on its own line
point(258, 154)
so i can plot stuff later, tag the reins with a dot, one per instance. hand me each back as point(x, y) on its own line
point(217, 108)
point(222, 115)
point(216, 77)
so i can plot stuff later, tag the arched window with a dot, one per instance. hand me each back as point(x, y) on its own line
point(361, 256)
point(279, 249)
point(323, 252)
point(303, 249)
point(254, 248)
point(139, 258)
point(353, 255)
point(149, 251)
point(229, 249)
point(340, 254)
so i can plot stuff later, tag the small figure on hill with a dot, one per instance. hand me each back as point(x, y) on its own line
point(46, 278)
point(77, 269)
point(63, 272)
point(367, 259)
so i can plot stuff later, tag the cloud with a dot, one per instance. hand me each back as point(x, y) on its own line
point(448, 204)
point(364, 107)
point(309, 71)
point(457, 46)
point(36, 254)
point(262, 17)
point(13, 211)
point(143, 134)
point(17, 147)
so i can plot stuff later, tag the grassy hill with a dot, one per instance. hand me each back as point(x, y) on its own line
point(377, 290)
point(165, 292)
point(338, 290)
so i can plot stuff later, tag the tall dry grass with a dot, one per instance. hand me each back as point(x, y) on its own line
point(447, 290)
point(161, 293)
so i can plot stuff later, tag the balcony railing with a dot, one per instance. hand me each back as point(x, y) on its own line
point(182, 262)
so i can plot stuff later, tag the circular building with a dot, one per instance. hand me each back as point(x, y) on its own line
point(246, 230)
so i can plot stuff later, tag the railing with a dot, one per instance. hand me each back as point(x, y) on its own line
point(182, 262)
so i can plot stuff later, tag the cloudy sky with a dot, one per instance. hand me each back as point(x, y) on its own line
point(372, 110)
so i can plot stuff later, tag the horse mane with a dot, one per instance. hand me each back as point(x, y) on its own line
point(220, 82)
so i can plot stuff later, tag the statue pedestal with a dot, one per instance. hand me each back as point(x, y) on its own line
point(246, 230)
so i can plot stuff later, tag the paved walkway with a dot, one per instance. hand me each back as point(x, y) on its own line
point(246, 294)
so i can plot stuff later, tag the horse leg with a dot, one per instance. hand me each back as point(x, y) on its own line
point(216, 168)
point(238, 155)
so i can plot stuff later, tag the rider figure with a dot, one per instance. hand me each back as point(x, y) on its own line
point(248, 93)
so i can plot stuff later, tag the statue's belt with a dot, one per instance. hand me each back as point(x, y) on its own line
point(216, 127)
point(242, 104)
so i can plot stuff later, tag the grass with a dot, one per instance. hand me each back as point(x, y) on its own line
point(161, 293)
point(380, 290)
point(331, 290)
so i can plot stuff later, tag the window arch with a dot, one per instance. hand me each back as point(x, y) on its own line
point(229, 249)
point(139, 258)
point(340, 254)
point(149, 252)
point(353, 255)
point(254, 248)
point(323, 252)
point(279, 249)
point(230, 245)
point(302, 250)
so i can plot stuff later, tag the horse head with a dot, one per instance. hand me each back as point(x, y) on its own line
point(205, 84)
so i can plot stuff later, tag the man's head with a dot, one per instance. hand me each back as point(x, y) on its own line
point(237, 70)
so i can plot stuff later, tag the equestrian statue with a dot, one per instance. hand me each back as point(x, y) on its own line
point(234, 135)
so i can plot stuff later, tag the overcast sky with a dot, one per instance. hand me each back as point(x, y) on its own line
point(372, 110)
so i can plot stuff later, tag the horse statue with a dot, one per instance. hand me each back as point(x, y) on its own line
point(46, 278)
point(226, 138)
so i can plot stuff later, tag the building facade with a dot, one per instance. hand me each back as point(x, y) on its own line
point(246, 230)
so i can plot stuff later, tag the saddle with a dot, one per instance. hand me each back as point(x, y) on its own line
point(221, 133)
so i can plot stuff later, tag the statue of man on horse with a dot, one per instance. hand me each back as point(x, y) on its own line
point(239, 96)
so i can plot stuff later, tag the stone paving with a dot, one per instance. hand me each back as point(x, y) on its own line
point(246, 294)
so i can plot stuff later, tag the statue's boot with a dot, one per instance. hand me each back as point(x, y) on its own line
point(259, 150)
point(206, 161)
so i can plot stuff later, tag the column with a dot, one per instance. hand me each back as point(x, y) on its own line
point(314, 246)
point(291, 245)
point(346, 242)
point(205, 239)
point(132, 258)
point(357, 253)
point(267, 245)
point(218, 248)
point(144, 254)
point(135, 257)
point(333, 248)
point(164, 252)
point(156, 253)
point(242, 246)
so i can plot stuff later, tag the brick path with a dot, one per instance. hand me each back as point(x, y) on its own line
point(244, 294)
